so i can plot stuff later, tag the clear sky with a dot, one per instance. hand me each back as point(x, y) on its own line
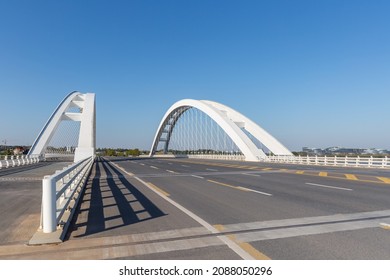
point(312, 73)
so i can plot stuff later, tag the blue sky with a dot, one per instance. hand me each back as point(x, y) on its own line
point(312, 73)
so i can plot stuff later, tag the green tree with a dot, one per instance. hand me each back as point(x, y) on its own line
point(109, 152)
point(133, 152)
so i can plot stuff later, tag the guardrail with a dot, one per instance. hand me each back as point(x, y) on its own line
point(12, 161)
point(218, 157)
point(60, 194)
point(368, 162)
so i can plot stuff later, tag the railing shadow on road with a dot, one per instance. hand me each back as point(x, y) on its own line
point(112, 202)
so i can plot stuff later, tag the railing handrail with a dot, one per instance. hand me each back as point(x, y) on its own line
point(18, 160)
point(69, 169)
point(347, 161)
point(56, 199)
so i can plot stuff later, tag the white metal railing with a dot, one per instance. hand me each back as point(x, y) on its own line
point(371, 162)
point(218, 157)
point(59, 191)
point(12, 161)
point(201, 156)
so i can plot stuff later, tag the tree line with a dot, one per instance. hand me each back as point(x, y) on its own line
point(110, 152)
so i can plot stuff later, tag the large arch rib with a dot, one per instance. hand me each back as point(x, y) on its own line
point(87, 117)
point(229, 120)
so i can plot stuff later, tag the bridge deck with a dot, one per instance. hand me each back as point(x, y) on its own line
point(20, 199)
point(187, 209)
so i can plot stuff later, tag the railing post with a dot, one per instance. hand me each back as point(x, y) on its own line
point(49, 220)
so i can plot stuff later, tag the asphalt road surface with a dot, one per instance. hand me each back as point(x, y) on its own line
point(20, 200)
point(198, 209)
point(246, 210)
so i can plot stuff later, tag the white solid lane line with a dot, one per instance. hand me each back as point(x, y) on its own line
point(250, 190)
point(231, 244)
point(211, 169)
point(249, 174)
point(329, 187)
point(196, 176)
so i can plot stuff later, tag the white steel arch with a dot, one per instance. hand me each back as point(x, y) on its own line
point(229, 120)
point(87, 116)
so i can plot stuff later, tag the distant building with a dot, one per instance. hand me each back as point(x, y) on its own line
point(18, 151)
point(312, 151)
point(334, 151)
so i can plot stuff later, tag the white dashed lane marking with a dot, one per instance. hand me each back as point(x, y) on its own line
point(329, 187)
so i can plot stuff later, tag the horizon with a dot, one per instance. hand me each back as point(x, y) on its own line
point(143, 150)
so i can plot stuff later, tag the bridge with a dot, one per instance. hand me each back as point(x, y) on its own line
point(214, 186)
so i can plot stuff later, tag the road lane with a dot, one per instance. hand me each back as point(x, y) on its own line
point(216, 193)
point(133, 210)
point(222, 212)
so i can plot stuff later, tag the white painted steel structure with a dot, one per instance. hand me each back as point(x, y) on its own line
point(12, 161)
point(231, 121)
point(87, 116)
point(370, 162)
point(60, 193)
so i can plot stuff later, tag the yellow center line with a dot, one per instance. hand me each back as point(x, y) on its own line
point(238, 188)
point(380, 180)
point(222, 184)
point(256, 254)
point(253, 251)
point(243, 189)
point(385, 226)
point(384, 179)
point(245, 167)
point(343, 178)
point(351, 177)
point(248, 167)
point(153, 186)
point(219, 227)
